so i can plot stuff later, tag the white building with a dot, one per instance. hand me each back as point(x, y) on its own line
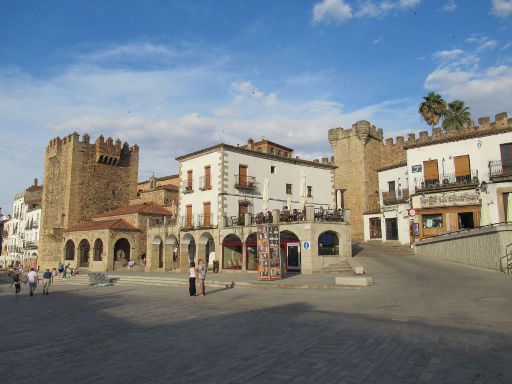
point(391, 223)
point(23, 228)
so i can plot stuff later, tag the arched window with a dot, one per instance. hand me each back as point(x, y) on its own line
point(98, 250)
point(232, 252)
point(328, 244)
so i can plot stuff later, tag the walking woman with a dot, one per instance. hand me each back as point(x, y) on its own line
point(192, 279)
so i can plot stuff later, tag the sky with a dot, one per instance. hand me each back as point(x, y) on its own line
point(175, 76)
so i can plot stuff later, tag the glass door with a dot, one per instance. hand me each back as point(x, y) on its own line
point(293, 257)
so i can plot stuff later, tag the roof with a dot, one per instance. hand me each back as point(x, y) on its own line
point(458, 136)
point(143, 208)
point(256, 154)
point(169, 187)
point(265, 141)
point(116, 224)
point(163, 178)
point(33, 188)
point(397, 165)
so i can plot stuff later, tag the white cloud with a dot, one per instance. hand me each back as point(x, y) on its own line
point(450, 6)
point(378, 40)
point(332, 10)
point(483, 43)
point(506, 46)
point(502, 8)
point(340, 11)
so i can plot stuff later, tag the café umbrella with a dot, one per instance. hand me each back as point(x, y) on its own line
point(264, 206)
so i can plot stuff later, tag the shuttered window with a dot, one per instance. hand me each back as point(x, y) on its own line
point(430, 170)
point(242, 175)
point(207, 176)
point(207, 213)
point(462, 166)
point(189, 180)
point(188, 221)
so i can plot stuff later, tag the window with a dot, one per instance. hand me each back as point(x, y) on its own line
point(188, 217)
point(272, 169)
point(242, 175)
point(506, 158)
point(207, 214)
point(432, 221)
point(272, 150)
point(279, 152)
point(430, 170)
point(462, 168)
point(285, 154)
point(189, 181)
point(288, 189)
point(259, 149)
point(391, 186)
point(207, 177)
point(310, 191)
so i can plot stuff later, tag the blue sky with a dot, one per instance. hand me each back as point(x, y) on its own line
point(176, 76)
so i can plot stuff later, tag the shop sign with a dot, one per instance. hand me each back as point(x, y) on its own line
point(306, 245)
point(448, 199)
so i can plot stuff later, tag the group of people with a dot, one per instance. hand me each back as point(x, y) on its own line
point(197, 273)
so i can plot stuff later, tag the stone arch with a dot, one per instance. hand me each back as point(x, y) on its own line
point(171, 241)
point(122, 249)
point(328, 244)
point(189, 241)
point(157, 245)
point(69, 250)
point(98, 250)
point(289, 245)
point(232, 252)
point(251, 251)
point(83, 250)
point(206, 245)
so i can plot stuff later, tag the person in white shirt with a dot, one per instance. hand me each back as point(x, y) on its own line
point(192, 273)
point(32, 280)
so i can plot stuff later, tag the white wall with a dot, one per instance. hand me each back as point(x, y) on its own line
point(398, 175)
point(285, 173)
point(480, 150)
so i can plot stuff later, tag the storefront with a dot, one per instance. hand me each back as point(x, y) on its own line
point(438, 213)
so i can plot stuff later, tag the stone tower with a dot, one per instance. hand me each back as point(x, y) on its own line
point(80, 180)
point(358, 153)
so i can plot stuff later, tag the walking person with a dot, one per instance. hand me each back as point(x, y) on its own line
point(32, 280)
point(17, 283)
point(47, 280)
point(192, 279)
point(60, 268)
point(201, 269)
point(66, 269)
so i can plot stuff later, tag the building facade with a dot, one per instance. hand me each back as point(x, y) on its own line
point(227, 191)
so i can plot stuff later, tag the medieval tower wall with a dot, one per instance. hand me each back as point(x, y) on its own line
point(82, 179)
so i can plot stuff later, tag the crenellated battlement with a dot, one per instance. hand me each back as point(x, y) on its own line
point(484, 127)
point(362, 129)
point(106, 151)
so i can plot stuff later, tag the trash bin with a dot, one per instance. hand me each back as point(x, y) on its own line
point(215, 266)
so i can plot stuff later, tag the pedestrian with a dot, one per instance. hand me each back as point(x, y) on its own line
point(32, 280)
point(54, 272)
point(60, 268)
point(17, 283)
point(47, 280)
point(201, 269)
point(192, 279)
point(66, 269)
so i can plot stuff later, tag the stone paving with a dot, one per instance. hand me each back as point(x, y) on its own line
point(425, 321)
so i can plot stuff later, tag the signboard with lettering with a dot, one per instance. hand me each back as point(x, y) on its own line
point(417, 168)
point(446, 199)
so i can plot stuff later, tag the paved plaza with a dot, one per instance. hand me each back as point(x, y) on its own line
point(424, 321)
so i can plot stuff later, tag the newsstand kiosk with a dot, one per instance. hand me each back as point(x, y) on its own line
point(270, 264)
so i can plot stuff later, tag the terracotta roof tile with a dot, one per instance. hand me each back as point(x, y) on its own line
point(118, 224)
point(145, 208)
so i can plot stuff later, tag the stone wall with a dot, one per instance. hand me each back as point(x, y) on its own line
point(80, 180)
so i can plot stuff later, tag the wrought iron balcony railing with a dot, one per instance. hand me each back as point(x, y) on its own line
point(395, 197)
point(205, 183)
point(187, 222)
point(499, 169)
point(447, 181)
point(187, 186)
point(206, 221)
point(245, 182)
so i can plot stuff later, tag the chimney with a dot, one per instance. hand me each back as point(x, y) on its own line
point(36, 182)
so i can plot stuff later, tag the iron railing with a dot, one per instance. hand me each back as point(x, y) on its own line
point(498, 169)
point(395, 197)
point(448, 180)
point(245, 182)
point(329, 215)
point(205, 183)
point(187, 222)
point(292, 216)
point(187, 186)
point(206, 220)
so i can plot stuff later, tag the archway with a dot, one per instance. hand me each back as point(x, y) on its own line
point(122, 250)
point(98, 250)
point(290, 250)
point(328, 244)
point(232, 249)
point(206, 247)
point(171, 244)
point(190, 243)
point(251, 250)
point(69, 251)
point(83, 250)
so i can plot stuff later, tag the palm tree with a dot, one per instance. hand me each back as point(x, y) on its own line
point(432, 108)
point(457, 116)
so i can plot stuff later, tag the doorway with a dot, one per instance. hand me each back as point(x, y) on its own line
point(375, 229)
point(293, 257)
point(466, 220)
point(392, 229)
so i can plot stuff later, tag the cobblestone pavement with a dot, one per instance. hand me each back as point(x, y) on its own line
point(425, 321)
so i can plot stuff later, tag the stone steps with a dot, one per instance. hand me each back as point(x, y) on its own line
point(339, 267)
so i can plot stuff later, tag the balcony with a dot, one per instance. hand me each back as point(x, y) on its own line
point(498, 170)
point(329, 215)
point(31, 244)
point(447, 181)
point(206, 221)
point(245, 182)
point(395, 197)
point(205, 183)
point(187, 222)
point(187, 186)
